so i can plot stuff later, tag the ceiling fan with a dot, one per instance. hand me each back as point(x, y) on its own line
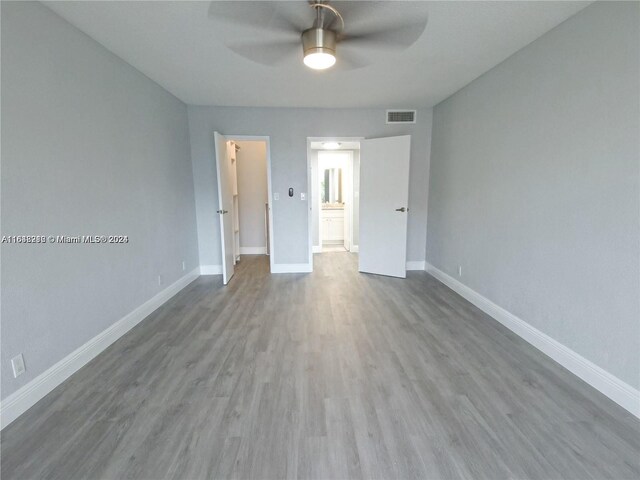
point(348, 34)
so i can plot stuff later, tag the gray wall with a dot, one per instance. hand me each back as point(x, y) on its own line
point(289, 129)
point(535, 186)
point(89, 146)
point(252, 192)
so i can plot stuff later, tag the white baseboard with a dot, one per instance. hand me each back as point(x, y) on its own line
point(210, 269)
point(253, 250)
point(355, 248)
point(620, 392)
point(415, 265)
point(20, 401)
point(292, 268)
point(316, 249)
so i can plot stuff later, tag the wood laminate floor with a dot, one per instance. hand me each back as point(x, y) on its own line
point(328, 375)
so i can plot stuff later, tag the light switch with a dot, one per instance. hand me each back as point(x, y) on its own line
point(303, 196)
point(276, 196)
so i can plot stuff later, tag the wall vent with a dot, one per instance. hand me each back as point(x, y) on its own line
point(401, 116)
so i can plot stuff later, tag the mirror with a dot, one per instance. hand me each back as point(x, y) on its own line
point(331, 187)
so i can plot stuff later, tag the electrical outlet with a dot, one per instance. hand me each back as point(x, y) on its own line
point(184, 265)
point(17, 364)
point(459, 270)
point(159, 280)
point(276, 196)
point(303, 196)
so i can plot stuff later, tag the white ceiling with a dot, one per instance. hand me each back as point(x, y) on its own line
point(182, 47)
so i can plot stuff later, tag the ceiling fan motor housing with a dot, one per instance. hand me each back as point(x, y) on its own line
point(319, 40)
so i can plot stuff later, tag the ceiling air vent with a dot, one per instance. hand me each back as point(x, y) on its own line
point(401, 116)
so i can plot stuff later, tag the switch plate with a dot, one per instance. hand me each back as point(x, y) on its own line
point(303, 196)
point(184, 265)
point(459, 270)
point(276, 196)
point(17, 364)
point(159, 280)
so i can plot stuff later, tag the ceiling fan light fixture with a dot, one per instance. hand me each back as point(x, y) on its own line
point(319, 60)
point(319, 47)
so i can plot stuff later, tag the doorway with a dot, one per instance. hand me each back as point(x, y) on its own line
point(335, 185)
point(251, 209)
point(335, 165)
point(360, 201)
point(243, 166)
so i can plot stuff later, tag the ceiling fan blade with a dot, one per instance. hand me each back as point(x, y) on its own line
point(271, 53)
point(394, 37)
point(286, 18)
point(355, 13)
point(364, 16)
point(348, 58)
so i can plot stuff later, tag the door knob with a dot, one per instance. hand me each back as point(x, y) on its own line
point(402, 209)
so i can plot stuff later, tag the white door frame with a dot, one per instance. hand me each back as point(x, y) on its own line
point(310, 186)
point(349, 203)
point(267, 140)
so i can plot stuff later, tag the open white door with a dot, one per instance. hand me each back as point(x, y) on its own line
point(225, 205)
point(384, 197)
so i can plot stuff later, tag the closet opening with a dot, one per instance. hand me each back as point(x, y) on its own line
point(250, 210)
point(243, 168)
